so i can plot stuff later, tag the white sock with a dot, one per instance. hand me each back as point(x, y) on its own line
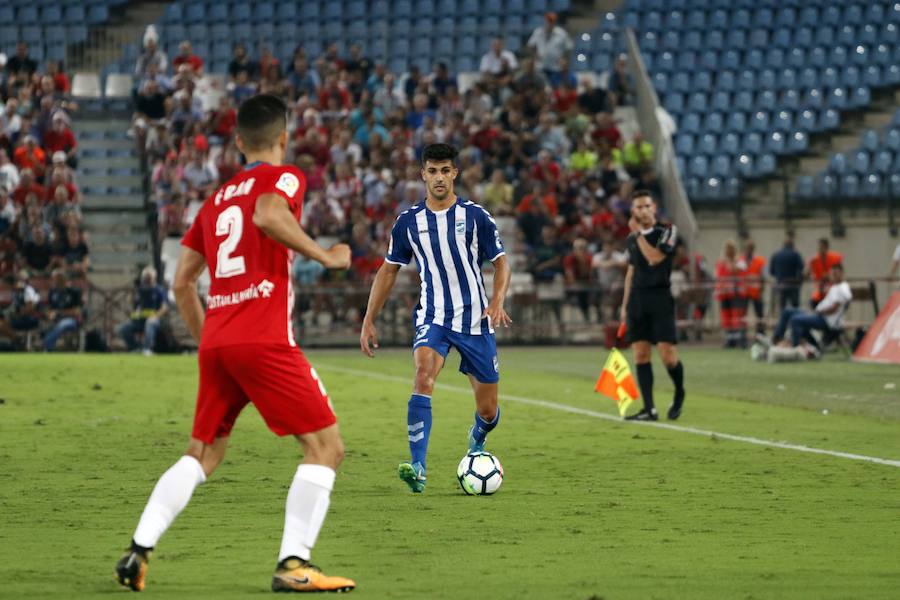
point(307, 504)
point(169, 497)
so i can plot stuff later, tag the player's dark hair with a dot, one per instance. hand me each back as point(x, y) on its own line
point(439, 153)
point(838, 266)
point(260, 120)
point(640, 194)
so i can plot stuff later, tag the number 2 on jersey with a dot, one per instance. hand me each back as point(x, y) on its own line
point(230, 223)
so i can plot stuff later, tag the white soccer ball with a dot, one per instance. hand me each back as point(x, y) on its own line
point(479, 473)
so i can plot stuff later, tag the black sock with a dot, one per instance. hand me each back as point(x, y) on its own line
point(645, 381)
point(140, 549)
point(677, 375)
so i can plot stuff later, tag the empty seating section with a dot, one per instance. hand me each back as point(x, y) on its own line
point(748, 81)
point(399, 32)
point(870, 171)
point(49, 26)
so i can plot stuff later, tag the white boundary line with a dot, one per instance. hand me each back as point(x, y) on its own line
point(599, 415)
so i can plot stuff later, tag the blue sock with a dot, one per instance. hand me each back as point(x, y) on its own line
point(418, 421)
point(482, 427)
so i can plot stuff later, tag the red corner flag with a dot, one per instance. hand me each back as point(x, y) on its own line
point(616, 382)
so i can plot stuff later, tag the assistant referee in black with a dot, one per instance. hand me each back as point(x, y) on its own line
point(648, 308)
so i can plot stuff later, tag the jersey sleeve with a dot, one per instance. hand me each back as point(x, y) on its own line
point(193, 239)
point(667, 239)
point(489, 241)
point(289, 183)
point(399, 249)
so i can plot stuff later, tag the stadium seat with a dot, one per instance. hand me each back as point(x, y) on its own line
point(824, 36)
point(804, 187)
point(860, 97)
point(765, 165)
point(699, 166)
point(753, 142)
point(849, 186)
point(775, 142)
point(744, 165)
point(726, 82)
point(838, 56)
point(674, 102)
point(837, 164)
point(86, 85)
point(872, 76)
point(737, 122)
point(783, 120)
point(868, 34)
point(859, 162)
point(895, 185)
point(691, 123)
point(715, 40)
point(883, 162)
point(684, 144)
point(829, 119)
point(714, 123)
point(759, 121)
point(707, 144)
point(806, 120)
point(826, 185)
point(730, 144)
point(681, 82)
point(837, 98)
point(721, 101)
point(118, 86)
point(798, 142)
point(892, 140)
point(743, 100)
point(698, 102)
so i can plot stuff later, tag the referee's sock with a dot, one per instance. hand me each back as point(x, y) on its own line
point(645, 381)
point(677, 375)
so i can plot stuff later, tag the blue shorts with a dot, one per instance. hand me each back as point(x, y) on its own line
point(478, 352)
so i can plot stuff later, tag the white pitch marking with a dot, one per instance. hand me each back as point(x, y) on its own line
point(599, 415)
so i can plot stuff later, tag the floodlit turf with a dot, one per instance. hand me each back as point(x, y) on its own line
point(589, 508)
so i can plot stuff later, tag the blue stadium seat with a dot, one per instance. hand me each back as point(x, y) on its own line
point(671, 40)
point(776, 142)
point(698, 102)
point(868, 34)
point(721, 166)
point(837, 98)
point(838, 56)
point(743, 100)
point(699, 166)
point(730, 144)
point(768, 79)
point(753, 143)
point(894, 185)
point(51, 14)
point(809, 15)
point(872, 186)
point(812, 98)
point(707, 144)
point(721, 101)
point(660, 83)
point(737, 122)
point(759, 121)
point(744, 165)
point(740, 19)
point(859, 162)
point(837, 164)
point(198, 33)
point(691, 123)
point(718, 19)
point(754, 59)
point(759, 38)
point(765, 165)
point(709, 60)
point(850, 77)
point(74, 14)
point(875, 13)
point(747, 81)
point(684, 144)
point(798, 142)
point(782, 38)
point(681, 82)
point(726, 81)
point(846, 35)
point(892, 140)
point(783, 120)
point(852, 14)
point(889, 34)
point(221, 32)
point(27, 15)
point(830, 77)
point(861, 55)
point(829, 119)
point(827, 185)
point(796, 58)
point(803, 187)
point(869, 140)
point(824, 36)
point(882, 162)
point(675, 20)
point(692, 188)
point(217, 13)
point(696, 19)
point(892, 74)
point(766, 100)
point(31, 35)
point(818, 57)
point(686, 60)
point(831, 15)
point(241, 13)
point(860, 96)
point(674, 102)
point(786, 17)
point(787, 78)
point(850, 186)
point(872, 76)
point(715, 40)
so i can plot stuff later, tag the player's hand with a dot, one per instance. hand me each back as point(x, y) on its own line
point(368, 338)
point(633, 225)
point(496, 316)
point(338, 257)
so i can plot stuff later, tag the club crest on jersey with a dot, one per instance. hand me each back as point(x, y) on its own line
point(460, 227)
point(288, 183)
point(265, 288)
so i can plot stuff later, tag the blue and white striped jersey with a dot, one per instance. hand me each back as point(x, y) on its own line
point(449, 247)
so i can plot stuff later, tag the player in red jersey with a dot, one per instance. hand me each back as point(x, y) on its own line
point(246, 234)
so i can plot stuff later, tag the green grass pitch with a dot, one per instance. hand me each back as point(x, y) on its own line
point(590, 508)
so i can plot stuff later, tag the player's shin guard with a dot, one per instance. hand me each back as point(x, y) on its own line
point(307, 504)
point(418, 423)
point(481, 429)
point(171, 494)
point(645, 382)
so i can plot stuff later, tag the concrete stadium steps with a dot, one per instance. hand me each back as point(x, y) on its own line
point(119, 242)
point(117, 221)
point(96, 163)
point(118, 260)
point(110, 181)
point(107, 144)
point(118, 202)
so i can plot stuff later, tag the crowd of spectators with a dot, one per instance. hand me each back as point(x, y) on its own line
point(41, 232)
point(536, 146)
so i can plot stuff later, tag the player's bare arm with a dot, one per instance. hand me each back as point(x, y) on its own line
point(190, 267)
point(381, 289)
point(274, 218)
point(629, 275)
point(495, 312)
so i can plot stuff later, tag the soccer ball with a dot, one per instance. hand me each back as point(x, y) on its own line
point(479, 473)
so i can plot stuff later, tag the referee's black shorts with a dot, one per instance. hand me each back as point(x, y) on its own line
point(651, 316)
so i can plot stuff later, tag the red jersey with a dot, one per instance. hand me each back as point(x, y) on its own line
point(250, 295)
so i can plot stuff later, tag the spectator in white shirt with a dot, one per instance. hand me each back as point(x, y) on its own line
point(550, 42)
point(498, 60)
point(827, 316)
point(9, 173)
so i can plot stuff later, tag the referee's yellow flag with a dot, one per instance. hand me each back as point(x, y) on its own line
point(616, 382)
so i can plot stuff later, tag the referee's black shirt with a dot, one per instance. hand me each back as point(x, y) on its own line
point(646, 277)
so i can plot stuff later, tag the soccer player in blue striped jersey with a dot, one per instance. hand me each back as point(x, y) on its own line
point(450, 238)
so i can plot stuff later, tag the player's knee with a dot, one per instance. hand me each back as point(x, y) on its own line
point(424, 382)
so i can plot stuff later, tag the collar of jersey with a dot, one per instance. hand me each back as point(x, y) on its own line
point(646, 231)
point(254, 164)
point(440, 212)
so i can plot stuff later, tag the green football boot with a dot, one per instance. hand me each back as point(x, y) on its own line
point(414, 476)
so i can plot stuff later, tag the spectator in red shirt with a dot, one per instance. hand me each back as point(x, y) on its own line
point(365, 266)
point(313, 144)
point(486, 133)
point(546, 169)
point(187, 57)
point(333, 89)
point(58, 180)
point(224, 120)
point(606, 129)
point(61, 139)
point(30, 156)
point(27, 186)
point(540, 194)
point(60, 79)
point(564, 97)
point(579, 274)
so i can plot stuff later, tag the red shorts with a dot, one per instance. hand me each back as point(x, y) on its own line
point(278, 380)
